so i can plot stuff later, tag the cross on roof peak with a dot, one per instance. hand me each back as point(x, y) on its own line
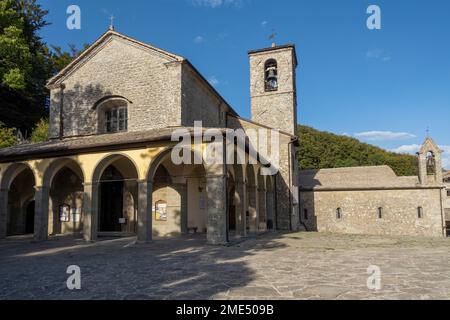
point(111, 26)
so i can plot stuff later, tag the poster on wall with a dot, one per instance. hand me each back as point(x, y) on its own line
point(161, 211)
point(64, 213)
point(76, 215)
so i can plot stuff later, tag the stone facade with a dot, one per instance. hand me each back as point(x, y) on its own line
point(373, 200)
point(124, 182)
point(161, 89)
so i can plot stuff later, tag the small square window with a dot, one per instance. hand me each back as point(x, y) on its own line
point(338, 213)
point(420, 212)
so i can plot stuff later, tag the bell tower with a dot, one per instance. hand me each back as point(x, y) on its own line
point(430, 163)
point(273, 87)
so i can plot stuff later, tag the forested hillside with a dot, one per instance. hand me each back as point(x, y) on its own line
point(319, 150)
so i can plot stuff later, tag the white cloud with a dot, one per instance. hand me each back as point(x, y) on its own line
point(446, 157)
point(199, 39)
point(216, 3)
point(213, 81)
point(414, 148)
point(378, 54)
point(408, 149)
point(264, 23)
point(384, 135)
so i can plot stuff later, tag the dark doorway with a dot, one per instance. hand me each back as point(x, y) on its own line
point(29, 218)
point(111, 201)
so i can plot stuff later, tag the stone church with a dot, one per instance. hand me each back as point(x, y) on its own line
point(108, 171)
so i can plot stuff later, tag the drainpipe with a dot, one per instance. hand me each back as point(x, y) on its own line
point(61, 112)
point(444, 225)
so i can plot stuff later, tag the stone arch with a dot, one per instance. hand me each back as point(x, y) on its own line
point(110, 97)
point(185, 181)
point(162, 156)
point(101, 166)
point(17, 192)
point(12, 171)
point(58, 164)
point(115, 181)
point(65, 178)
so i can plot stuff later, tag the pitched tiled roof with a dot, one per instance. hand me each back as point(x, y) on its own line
point(378, 177)
point(88, 143)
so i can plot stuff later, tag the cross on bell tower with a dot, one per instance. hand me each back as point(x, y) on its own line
point(272, 37)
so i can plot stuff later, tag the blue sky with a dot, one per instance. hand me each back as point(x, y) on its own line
point(383, 86)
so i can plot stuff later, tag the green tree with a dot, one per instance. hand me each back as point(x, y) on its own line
point(40, 131)
point(320, 150)
point(24, 64)
point(7, 137)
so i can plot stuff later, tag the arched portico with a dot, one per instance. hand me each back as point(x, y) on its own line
point(111, 199)
point(64, 178)
point(17, 199)
point(194, 195)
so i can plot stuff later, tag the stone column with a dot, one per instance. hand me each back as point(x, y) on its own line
point(262, 214)
point(216, 209)
point(182, 189)
point(270, 212)
point(41, 213)
point(241, 208)
point(3, 213)
point(90, 211)
point(145, 225)
point(253, 208)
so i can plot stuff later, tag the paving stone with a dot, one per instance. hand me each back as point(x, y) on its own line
point(297, 266)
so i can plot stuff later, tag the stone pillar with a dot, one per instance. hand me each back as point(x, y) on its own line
point(41, 213)
point(241, 208)
point(262, 214)
point(145, 225)
point(3, 213)
point(182, 189)
point(216, 209)
point(90, 211)
point(253, 208)
point(270, 212)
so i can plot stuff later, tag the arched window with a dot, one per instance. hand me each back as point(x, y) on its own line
point(271, 75)
point(113, 115)
point(431, 163)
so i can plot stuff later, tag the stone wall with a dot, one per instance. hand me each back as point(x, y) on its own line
point(199, 103)
point(150, 80)
point(360, 213)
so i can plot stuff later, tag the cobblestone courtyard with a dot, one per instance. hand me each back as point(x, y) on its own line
point(274, 266)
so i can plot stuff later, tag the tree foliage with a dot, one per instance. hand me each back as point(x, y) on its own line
point(26, 63)
point(7, 137)
point(320, 150)
point(40, 132)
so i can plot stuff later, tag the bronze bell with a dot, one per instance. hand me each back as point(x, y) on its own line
point(272, 74)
